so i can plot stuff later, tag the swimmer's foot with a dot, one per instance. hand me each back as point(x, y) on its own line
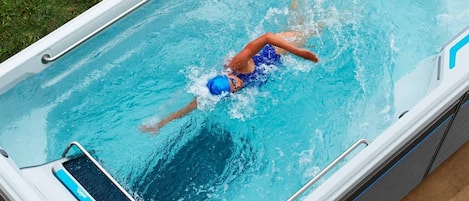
point(294, 4)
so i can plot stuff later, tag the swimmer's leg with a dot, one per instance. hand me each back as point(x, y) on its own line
point(295, 18)
point(297, 23)
point(299, 32)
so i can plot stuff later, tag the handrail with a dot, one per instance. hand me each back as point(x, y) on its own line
point(82, 149)
point(328, 168)
point(46, 58)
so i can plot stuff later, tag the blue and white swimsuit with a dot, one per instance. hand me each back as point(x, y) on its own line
point(265, 62)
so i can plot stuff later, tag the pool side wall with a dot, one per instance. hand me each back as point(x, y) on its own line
point(12, 184)
point(403, 155)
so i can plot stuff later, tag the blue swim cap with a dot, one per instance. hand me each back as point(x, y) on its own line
point(218, 84)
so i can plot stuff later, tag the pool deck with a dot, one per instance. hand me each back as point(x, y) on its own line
point(450, 181)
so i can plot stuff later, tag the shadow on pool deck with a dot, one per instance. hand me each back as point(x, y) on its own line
point(450, 181)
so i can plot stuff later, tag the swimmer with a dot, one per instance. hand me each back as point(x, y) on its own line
point(245, 68)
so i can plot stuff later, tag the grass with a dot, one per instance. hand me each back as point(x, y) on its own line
point(23, 22)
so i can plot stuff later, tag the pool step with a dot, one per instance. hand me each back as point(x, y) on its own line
point(87, 180)
point(76, 177)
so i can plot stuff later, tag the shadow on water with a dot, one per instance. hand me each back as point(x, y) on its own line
point(197, 168)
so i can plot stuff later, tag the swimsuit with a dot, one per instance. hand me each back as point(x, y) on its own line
point(265, 62)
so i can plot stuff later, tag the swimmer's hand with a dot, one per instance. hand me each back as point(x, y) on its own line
point(306, 54)
point(154, 129)
point(149, 128)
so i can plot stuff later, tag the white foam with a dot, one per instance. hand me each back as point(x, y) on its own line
point(243, 103)
point(198, 79)
point(151, 121)
point(306, 165)
point(271, 12)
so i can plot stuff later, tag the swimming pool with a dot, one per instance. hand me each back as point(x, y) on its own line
point(146, 66)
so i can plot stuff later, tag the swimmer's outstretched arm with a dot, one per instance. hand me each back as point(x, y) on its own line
point(180, 113)
point(241, 60)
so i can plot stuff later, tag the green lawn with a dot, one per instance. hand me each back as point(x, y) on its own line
point(23, 22)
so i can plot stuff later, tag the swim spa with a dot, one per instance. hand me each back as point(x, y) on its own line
point(263, 143)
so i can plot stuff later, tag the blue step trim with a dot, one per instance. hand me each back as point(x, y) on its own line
point(73, 186)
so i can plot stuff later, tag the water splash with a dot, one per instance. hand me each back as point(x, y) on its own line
point(198, 78)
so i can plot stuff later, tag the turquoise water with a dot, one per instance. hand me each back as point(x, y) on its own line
point(260, 144)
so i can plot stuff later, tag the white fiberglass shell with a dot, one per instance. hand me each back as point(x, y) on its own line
point(450, 82)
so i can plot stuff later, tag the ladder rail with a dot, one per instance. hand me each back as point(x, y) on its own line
point(328, 168)
point(46, 58)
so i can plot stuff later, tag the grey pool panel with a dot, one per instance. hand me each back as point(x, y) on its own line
point(457, 135)
point(408, 168)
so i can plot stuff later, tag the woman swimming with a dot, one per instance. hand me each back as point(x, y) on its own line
point(247, 68)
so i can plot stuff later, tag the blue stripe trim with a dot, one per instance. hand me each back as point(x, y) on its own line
point(455, 49)
point(72, 186)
